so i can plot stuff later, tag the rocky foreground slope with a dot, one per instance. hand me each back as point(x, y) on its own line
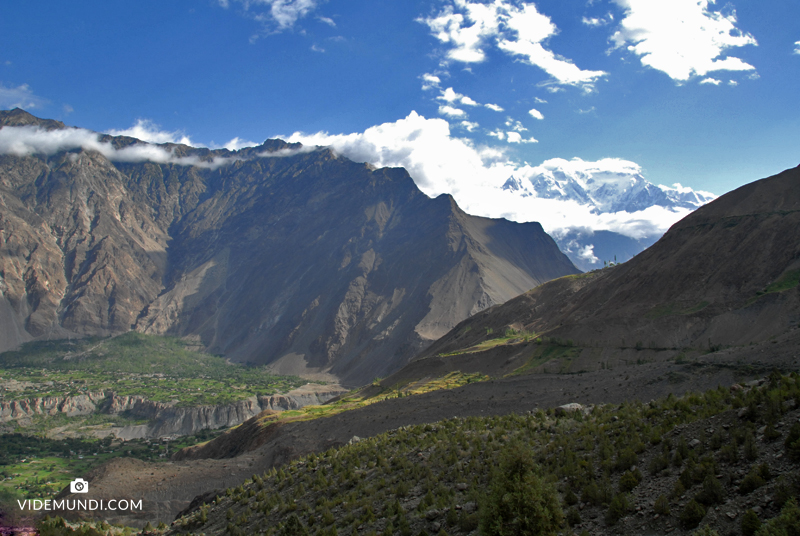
point(277, 254)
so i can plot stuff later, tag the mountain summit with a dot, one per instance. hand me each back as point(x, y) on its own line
point(279, 254)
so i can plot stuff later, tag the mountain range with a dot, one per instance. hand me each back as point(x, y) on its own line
point(279, 254)
point(603, 191)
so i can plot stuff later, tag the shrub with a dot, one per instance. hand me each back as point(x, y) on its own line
point(573, 517)
point(750, 523)
point(751, 482)
point(786, 524)
point(617, 509)
point(519, 502)
point(661, 506)
point(629, 480)
point(692, 514)
point(705, 530)
point(712, 492)
point(792, 443)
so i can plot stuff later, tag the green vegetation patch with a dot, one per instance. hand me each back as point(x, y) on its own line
point(548, 351)
point(39, 468)
point(354, 399)
point(162, 369)
point(787, 281)
point(510, 336)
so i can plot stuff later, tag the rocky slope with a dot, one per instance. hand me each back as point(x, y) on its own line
point(722, 279)
point(275, 254)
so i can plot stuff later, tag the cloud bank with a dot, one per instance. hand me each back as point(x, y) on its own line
point(30, 140)
point(682, 38)
point(440, 163)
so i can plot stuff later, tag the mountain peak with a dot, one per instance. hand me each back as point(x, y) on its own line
point(20, 118)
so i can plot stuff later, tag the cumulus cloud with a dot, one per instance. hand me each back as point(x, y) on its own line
point(536, 114)
point(587, 253)
point(430, 81)
point(440, 162)
point(20, 97)
point(711, 81)
point(450, 96)
point(494, 107)
point(470, 126)
point(682, 38)
point(277, 15)
point(468, 28)
point(797, 48)
point(451, 111)
point(516, 137)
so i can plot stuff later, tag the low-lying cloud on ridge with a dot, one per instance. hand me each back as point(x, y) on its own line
point(29, 140)
point(473, 174)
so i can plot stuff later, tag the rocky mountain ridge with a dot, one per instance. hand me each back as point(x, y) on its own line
point(236, 250)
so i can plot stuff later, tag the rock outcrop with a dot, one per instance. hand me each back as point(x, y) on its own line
point(164, 419)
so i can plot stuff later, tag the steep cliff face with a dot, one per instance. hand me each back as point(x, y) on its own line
point(275, 254)
point(165, 420)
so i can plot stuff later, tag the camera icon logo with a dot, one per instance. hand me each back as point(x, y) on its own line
point(79, 485)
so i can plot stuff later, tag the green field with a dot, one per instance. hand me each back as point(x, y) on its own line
point(38, 468)
point(163, 369)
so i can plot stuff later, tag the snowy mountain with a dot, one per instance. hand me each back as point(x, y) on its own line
point(613, 188)
point(606, 191)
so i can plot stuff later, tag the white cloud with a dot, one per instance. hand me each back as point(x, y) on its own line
point(67, 109)
point(587, 254)
point(712, 81)
point(237, 143)
point(733, 83)
point(595, 22)
point(451, 111)
point(469, 125)
point(29, 140)
point(148, 131)
point(449, 95)
point(495, 107)
point(515, 125)
point(499, 134)
point(682, 38)
point(276, 15)
point(327, 20)
point(442, 163)
point(468, 28)
point(516, 137)
point(430, 81)
point(797, 48)
point(536, 114)
point(20, 97)
point(540, 101)
point(315, 48)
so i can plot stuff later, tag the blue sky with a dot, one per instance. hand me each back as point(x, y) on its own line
point(682, 91)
